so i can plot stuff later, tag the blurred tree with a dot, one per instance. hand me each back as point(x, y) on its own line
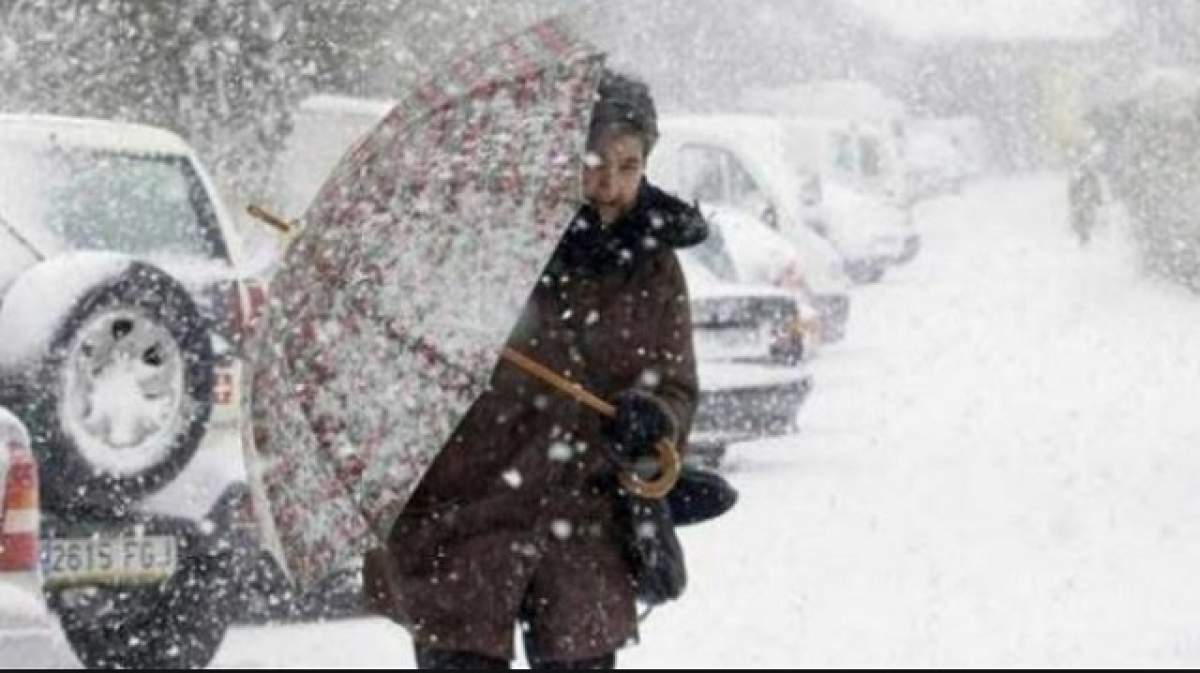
point(222, 73)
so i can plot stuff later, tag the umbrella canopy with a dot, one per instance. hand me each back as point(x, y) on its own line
point(390, 308)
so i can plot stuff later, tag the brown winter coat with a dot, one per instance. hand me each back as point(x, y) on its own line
point(515, 519)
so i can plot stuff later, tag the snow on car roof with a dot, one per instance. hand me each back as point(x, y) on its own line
point(347, 104)
point(95, 133)
point(746, 131)
point(131, 138)
point(748, 135)
point(703, 284)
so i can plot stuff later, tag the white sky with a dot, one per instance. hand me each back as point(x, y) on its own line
point(997, 19)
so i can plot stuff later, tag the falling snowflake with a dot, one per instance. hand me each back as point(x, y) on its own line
point(560, 452)
point(561, 528)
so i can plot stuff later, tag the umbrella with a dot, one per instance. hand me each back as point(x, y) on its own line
point(392, 304)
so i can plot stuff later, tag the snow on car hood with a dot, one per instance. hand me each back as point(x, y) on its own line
point(861, 223)
point(762, 254)
point(40, 299)
point(702, 284)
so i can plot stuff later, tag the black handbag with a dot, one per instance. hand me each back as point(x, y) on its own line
point(652, 546)
point(699, 496)
point(653, 550)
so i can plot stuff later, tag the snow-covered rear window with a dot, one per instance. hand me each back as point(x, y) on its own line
point(87, 199)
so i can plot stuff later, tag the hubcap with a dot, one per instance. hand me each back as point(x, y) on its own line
point(124, 399)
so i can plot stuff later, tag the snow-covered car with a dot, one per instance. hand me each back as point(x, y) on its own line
point(943, 154)
point(739, 161)
point(862, 221)
point(859, 200)
point(741, 249)
point(749, 341)
point(121, 318)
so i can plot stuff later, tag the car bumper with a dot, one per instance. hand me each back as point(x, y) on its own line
point(763, 403)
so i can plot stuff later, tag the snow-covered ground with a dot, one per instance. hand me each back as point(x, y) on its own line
point(998, 467)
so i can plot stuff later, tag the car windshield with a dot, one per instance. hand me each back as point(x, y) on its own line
point(87, 199)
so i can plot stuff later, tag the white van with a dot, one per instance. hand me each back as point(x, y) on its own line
point(324, 128)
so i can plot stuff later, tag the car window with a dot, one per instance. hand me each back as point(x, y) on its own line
point(124, 202)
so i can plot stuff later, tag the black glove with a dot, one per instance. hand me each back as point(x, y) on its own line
point(640, 422)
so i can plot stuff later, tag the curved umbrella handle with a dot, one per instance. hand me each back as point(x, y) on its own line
point(670, 465)
point(669, 461)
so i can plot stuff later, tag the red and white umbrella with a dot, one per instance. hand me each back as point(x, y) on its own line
point(391, 307)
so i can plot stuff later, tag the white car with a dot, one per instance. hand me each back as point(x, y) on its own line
point(749, 348)
point(862, 221)
point(122, 314)
point(853, 189)
point(741, 249)
point(739, 161)
point(324, 127)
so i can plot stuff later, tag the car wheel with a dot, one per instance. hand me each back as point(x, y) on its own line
point(177, 624)
point(118, 404)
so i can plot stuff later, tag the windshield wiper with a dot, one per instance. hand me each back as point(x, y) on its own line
point(4, 223)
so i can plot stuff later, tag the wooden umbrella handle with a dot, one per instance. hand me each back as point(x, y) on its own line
point(669, 461)
point(670, 465)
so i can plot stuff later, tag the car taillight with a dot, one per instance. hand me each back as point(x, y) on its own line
point(19, 517)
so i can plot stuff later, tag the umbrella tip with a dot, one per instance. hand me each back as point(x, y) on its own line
point(270, 219)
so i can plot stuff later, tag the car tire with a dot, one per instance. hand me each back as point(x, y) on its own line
point(138, 332)
point(177, 624)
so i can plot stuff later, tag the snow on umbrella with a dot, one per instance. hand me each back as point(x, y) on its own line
point(391, 306)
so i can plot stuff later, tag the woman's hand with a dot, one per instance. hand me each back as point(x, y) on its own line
point(641, 421)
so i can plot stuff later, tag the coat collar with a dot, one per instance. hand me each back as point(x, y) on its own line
point(657, 219)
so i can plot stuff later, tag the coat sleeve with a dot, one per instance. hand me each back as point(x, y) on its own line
point(678, 385)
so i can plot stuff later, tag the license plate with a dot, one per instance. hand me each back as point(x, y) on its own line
point(227, 385)
point(122, 560)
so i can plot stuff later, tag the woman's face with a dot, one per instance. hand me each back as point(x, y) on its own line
point(611, 175)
